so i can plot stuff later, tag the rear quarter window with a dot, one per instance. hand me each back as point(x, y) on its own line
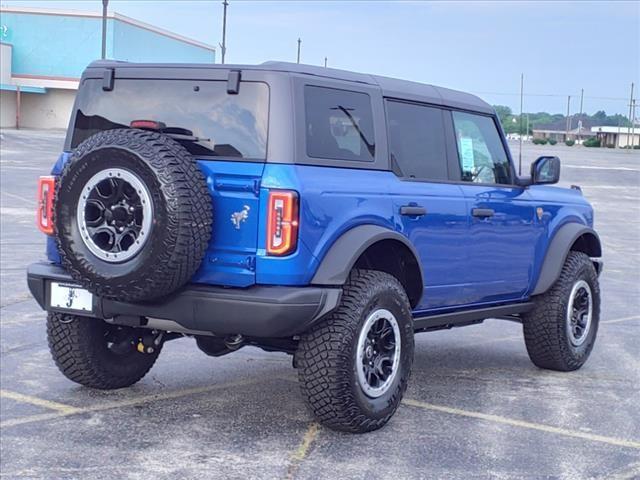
point(338, 124)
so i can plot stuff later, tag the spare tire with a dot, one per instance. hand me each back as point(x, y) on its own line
point(132, 215)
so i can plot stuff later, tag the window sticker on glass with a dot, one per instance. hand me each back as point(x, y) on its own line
point(466, 154)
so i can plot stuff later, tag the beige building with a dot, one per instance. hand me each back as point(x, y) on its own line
point(620, 137)
point(576, 134)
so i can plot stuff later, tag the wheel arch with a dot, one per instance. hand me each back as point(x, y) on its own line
point(376, 248)
point(569, 237)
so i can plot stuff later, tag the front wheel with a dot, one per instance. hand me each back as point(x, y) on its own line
point(96, 354)
point(561, 329)
point(354, 366)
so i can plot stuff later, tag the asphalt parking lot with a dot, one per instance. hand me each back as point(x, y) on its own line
point(476, 407)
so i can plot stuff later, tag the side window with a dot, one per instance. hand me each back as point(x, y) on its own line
point(339, 124)
point(480, 150)
point(417, 141)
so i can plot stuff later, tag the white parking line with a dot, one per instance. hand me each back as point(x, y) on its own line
point(623, 319)
point(66, 410)
point(523, 424)
point(19, 397)
point(594, 167)
point(19, 197)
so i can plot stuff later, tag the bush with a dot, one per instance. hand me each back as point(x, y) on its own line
point(611, 145)
point(552, 141)
point(636, 147)
point(591, 142)
point(569, 143)
point(539, 141)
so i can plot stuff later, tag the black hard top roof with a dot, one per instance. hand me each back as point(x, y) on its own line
point(391, 87)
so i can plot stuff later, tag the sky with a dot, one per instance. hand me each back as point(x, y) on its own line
point(479, 47)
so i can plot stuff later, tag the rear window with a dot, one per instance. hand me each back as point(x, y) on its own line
point(201, 115)
point(417, 141)
point(339, 124)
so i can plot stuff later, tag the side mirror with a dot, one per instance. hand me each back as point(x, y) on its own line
point(545, 170)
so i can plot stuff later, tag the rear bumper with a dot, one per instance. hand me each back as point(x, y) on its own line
point(259, 311)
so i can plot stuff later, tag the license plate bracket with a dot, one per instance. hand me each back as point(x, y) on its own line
point(70, 297)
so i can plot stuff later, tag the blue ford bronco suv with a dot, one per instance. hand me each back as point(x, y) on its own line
point(323, 213)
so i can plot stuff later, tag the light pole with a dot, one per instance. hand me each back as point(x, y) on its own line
point(299, 43)
point(105, 3)
point(223, 45)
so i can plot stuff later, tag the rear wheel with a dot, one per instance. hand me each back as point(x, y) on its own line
point(561, 329)
point(354, 366)
point(96, 354)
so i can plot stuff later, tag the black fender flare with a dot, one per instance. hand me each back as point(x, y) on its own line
point(558, 250)
point(339, 260)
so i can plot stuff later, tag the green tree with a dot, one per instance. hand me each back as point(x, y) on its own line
point(504, 113)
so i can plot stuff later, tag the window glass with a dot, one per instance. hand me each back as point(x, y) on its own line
point(339, 124)
point(480, 150)
point(417, 141)
point(201, 115)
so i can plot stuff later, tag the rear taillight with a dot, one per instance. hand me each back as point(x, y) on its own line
point(46, 189)
point(282, 222)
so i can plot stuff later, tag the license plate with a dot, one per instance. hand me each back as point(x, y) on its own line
point(70, 297)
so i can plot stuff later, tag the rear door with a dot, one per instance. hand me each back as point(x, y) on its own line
point(432, 213)
point(503, 230)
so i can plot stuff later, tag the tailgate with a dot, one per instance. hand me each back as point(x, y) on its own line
point(231, 255)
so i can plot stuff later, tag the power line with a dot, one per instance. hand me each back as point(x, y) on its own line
point(558, 95)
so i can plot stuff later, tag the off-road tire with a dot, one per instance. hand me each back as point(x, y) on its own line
point(79, 349)
point(326, 356)
point(181, 220)
point(545, 332)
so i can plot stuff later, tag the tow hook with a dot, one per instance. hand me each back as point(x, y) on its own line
point(149, 342)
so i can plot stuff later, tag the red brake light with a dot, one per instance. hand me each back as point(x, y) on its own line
point(282, 222)
point(46, 190)
point(147, 124)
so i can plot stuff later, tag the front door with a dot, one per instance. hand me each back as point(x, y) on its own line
point(503, 230)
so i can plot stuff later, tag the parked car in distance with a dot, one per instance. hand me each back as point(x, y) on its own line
point(323, 213)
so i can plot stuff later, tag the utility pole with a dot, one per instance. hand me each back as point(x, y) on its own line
point(630, 115)
point(580, 117)
point(566, 137)
point(521, 107)
point(325, 62)
point(223, 45)
point(299, 43)
point(633, 125)
point(105, 3)
point(581, 99)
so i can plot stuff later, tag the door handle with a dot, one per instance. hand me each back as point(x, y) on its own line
point(482, 212)
point(413, 210)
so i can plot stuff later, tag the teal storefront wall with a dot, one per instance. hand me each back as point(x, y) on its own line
point(57, 45)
